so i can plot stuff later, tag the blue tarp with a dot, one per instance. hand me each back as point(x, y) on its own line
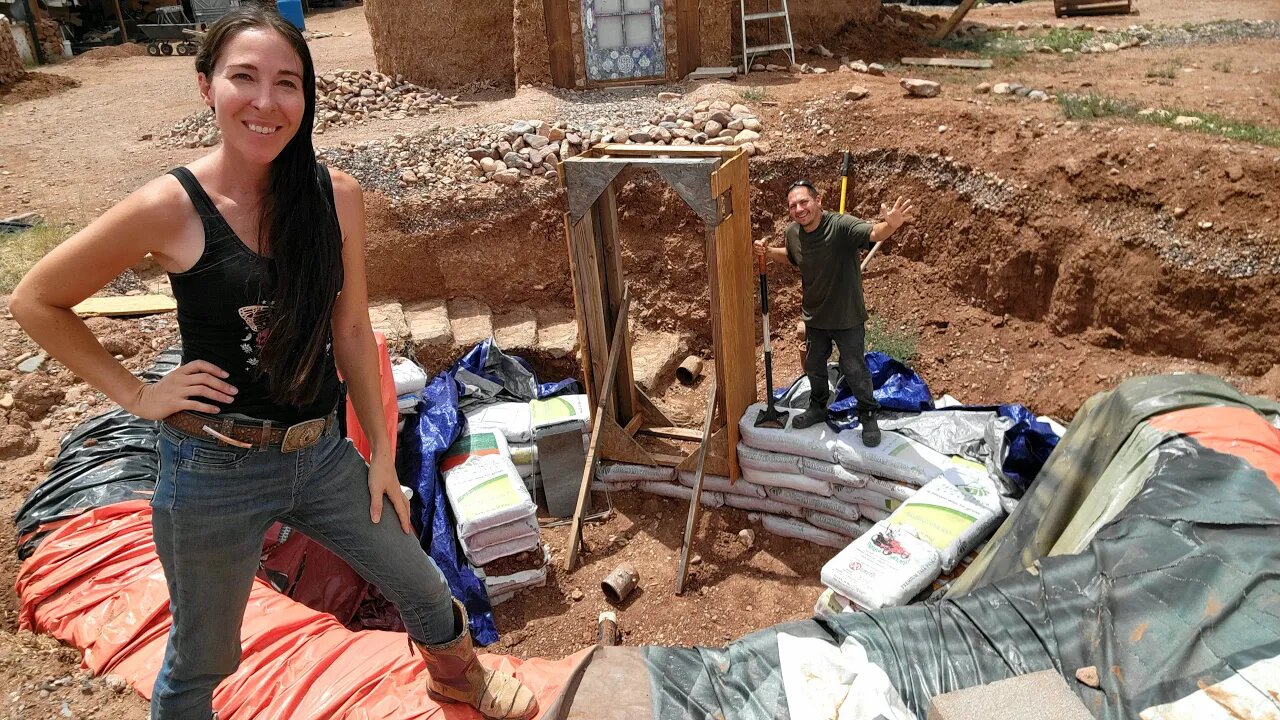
point(439, 423)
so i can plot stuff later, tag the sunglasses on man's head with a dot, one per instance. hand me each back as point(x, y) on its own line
point(803, 184)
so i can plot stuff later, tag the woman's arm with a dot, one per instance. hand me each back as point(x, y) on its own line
point(151, 220)
point(356, 352)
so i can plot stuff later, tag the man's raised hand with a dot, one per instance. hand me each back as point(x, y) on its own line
point(903, 211)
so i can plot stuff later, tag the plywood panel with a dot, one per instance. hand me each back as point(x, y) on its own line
point(735, 295)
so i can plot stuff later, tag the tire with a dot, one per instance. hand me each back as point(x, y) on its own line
point(183, 49)
point(166, 49)
point(153, 49)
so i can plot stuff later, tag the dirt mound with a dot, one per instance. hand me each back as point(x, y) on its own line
point(102, 55)
point(36, 394)
point(898, 33)
point(33, 86)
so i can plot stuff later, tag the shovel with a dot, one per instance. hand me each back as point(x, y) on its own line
point(770, 416)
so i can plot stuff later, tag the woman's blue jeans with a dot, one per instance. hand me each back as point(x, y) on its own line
point(212, 507)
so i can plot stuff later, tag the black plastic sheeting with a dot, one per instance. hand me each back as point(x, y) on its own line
point(107, 459)
point(1178, 591)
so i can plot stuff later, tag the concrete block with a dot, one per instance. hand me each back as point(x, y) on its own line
point(557, 331)
point(516, 329)
point(1037, 696)
point(388, 319)
point(428, 324)
point(471, 321)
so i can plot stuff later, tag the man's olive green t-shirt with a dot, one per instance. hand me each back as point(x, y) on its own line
point(830, 270)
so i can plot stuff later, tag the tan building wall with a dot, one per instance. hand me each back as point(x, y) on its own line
point(443, 43)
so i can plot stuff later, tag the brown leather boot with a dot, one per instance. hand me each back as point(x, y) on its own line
point(458, 676)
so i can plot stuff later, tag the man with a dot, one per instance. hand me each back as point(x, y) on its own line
point(825, 246)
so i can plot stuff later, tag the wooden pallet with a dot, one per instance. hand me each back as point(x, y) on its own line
point(1092, 7)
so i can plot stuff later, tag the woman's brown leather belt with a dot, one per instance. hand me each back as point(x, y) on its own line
point(240, 433)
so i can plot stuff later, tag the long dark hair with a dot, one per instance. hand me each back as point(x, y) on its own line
point(298, 230)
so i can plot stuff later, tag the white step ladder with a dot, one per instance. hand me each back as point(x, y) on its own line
point(768, 15)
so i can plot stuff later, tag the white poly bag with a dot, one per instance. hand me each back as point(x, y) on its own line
point(720, 484)
point(486, 555)
point(503, 533)
point(885, 567)
point(897, 457)
point(795, 481)
point(625, 472)
point(948, 518)
point(762, 505)
point(809, 501)
point(817, 442)
point(487, 492)
point(884, 494)
point(505, 586)
point(874, 513)
point(763, 460)
point(408, 376)
point(512, 419)
point(562, 408)
point(680, 492)
point(832, 472)
point(472, 446)
point(800, 530)
point(848, 528)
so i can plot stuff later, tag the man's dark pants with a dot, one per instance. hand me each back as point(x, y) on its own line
point(853, 364)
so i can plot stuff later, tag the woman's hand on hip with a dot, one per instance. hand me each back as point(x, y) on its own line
point(383, 481)
point(185, 388)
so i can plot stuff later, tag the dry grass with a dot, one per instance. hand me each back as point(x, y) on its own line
point(21, 250)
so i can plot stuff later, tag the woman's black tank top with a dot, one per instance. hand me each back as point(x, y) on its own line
point(224, 313)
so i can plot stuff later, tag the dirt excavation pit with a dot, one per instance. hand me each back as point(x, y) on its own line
point(994, 272)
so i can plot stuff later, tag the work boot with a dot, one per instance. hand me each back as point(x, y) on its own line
point(870, 430)
point(458, 676)
point(815, 414)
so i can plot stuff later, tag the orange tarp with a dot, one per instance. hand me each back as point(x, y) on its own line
point(96, 583)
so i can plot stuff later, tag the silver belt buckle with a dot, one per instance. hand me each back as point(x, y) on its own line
point(303, 435)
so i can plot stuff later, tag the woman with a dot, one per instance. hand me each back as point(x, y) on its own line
point(265, 252)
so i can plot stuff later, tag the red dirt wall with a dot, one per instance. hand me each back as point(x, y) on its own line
point(443, 43)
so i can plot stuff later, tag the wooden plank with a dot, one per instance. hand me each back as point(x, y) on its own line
point(125, 305)
point(734, 291)
point(652, 412)
point(559, 37)
point(1092, 7)
point(688, 36)
point(717, 455)
point(666, 460)
point(694, 504)
point(618, 445)
point(955, 19)
point(580, 305)
point(634, 426)
point(672, 433)
point(606, 211)
point(588, 299)
point(651, 151)
point(713, 73)
point(589, 468)
point(969, 63)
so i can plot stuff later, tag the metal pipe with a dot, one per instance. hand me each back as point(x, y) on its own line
point(619, 583)
point(690, 370)
point(607, 633)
